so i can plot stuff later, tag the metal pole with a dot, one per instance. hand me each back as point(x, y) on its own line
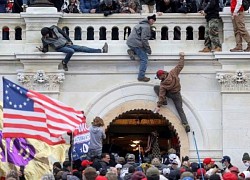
point(199, 160)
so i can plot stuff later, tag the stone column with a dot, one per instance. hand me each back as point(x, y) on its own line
point(36, 18)
point(234, 79)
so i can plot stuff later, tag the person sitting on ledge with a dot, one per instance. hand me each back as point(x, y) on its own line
point(57, 38)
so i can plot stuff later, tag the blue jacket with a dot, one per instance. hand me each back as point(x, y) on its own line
point(87, 5)
point(3, 6)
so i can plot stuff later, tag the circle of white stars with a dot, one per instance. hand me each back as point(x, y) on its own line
point(16, 106)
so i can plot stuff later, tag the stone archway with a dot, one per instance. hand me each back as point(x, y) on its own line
point(180, 131)
point(135, 126)
point(124, 97)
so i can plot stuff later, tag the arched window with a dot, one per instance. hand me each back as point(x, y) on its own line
point(127, 31)
point(78, 33)
point(66, 30)
point(201, 33)
point(177, 33)
point(18, 33)
point(5, 33)
point(90, 33)
point(164, 33)
point(153, 33)
point(115, 33)
point(189, 33)
point(102, 33)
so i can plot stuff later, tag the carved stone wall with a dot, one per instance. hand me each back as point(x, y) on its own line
point(41, 81)
point(238, 81)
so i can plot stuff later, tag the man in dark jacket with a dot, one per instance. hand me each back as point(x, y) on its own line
point(3, 4)
point(211, 12)
point(57, 38)
point(167, 6)
point(138, 44)
point(170, 87)
point(108, 7)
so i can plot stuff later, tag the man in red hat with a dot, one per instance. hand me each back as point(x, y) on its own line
point(170, 87)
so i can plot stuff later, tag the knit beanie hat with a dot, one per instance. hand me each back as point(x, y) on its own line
point(246, 157)
point(44, 31)
point(152, 17)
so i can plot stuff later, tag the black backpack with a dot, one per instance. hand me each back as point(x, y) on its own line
point(245, 4)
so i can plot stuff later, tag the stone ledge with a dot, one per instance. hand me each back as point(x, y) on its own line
point(112, 56)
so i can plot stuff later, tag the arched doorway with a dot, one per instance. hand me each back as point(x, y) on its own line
point(130, 130)
point(123, 98)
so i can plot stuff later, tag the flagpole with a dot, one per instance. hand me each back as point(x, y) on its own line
point(199, 160)
point(140, 160)
point(6, 151)
point(71, 150)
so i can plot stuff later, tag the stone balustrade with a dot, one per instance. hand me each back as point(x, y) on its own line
point(173, 32)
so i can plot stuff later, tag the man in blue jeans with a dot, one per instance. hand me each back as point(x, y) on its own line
point(57, 38)
point(138, 44)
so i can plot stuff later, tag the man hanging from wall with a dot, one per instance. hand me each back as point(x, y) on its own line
point(57, 38)
point(170, 87)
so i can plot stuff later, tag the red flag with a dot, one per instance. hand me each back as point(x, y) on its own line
point(29, 114)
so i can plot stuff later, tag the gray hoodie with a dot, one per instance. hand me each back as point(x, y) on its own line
point(97, 134)
point(140, 35)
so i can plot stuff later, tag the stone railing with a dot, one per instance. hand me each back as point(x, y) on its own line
point(173, 32)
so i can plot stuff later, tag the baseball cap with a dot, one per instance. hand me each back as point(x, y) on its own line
point(208, 160)
point(118, 166)
point(245, 174)
point(159, 73)
point(225, 158)
point(201, 171)
point(229, 176)
point(86, 163)
point(234, 169)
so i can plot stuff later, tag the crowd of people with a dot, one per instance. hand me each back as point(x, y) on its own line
point(169, 166)
point(109, 6)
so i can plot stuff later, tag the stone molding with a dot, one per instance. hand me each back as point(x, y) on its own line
point(234, 82)
point(41, 81)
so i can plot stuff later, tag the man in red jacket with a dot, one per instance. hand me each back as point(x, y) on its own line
point(240, 31)
point(170, 87)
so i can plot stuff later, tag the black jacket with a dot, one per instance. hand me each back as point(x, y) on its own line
point(211, 8)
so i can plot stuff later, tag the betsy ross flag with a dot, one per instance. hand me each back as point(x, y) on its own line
point(28, 114)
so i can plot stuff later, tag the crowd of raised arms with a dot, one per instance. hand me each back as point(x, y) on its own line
point(114, 167)
point(108, 7)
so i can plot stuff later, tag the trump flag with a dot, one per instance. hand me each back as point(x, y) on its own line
point(29, 114)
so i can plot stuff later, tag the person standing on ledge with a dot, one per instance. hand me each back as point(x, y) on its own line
point(240, 31)
point(57, 38)
point(138, 44)
point(211, 12)
point(170, 87)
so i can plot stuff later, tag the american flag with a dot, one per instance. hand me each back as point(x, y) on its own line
point(29, 114)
